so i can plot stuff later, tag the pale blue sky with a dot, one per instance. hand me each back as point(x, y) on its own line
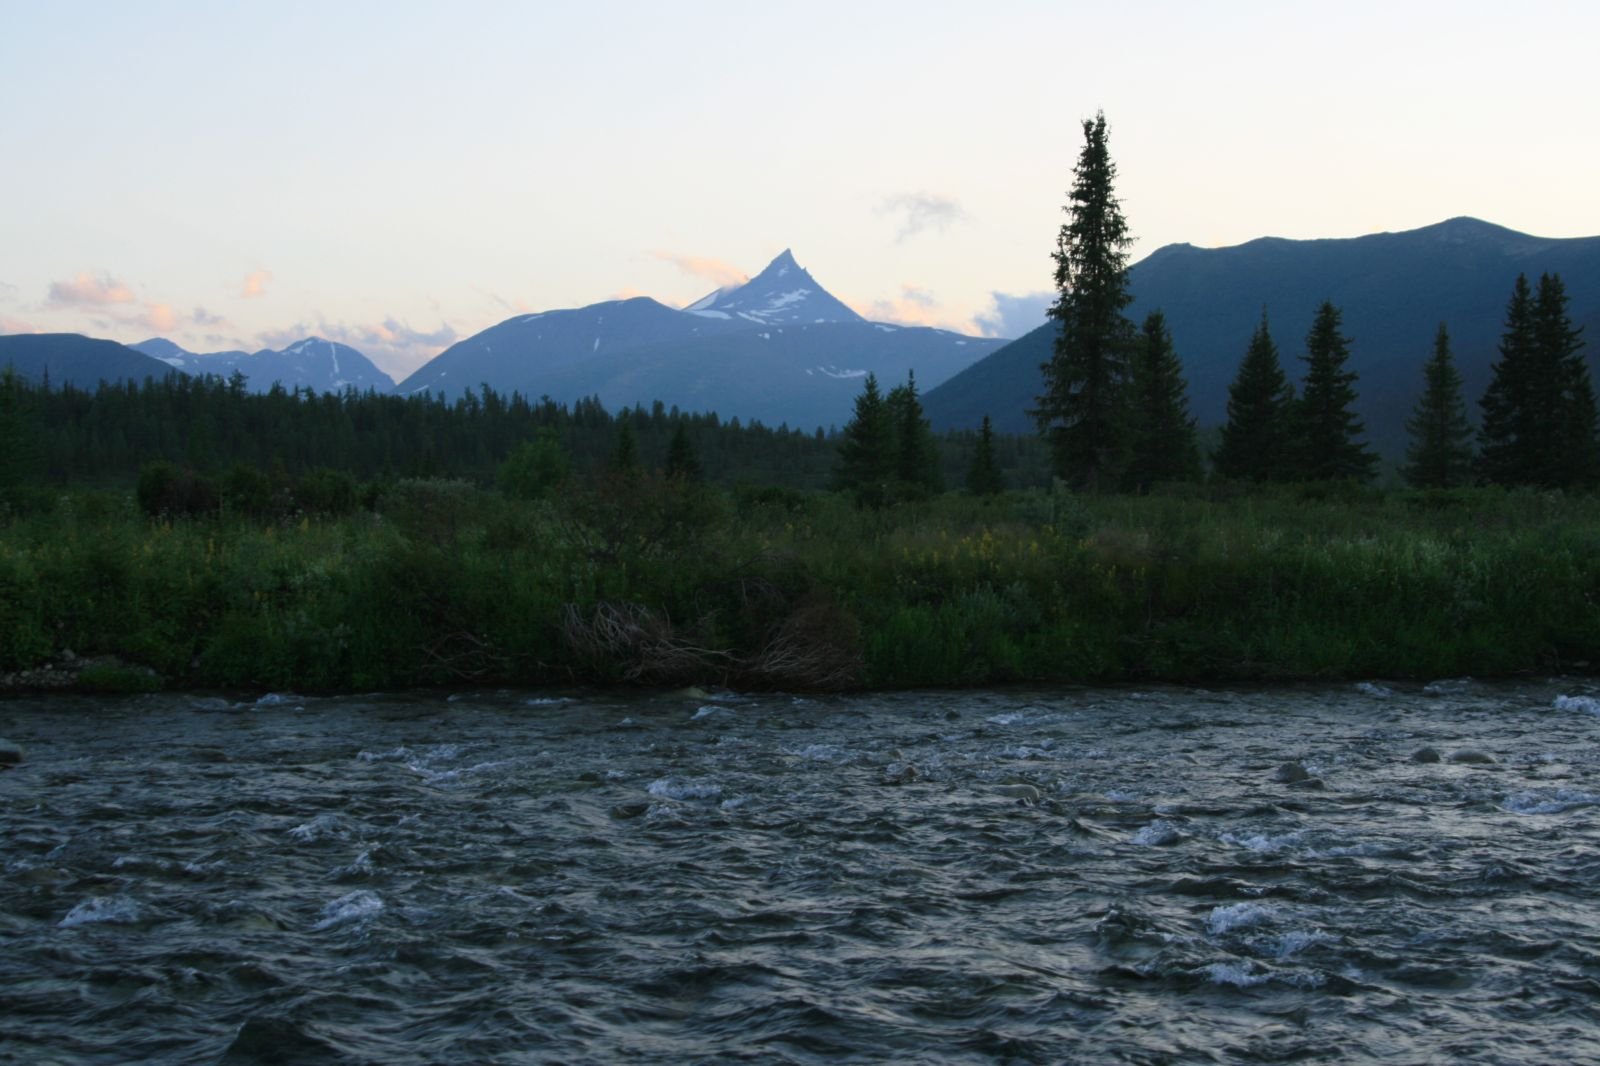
point(397, 175)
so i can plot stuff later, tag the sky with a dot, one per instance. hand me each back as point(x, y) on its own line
point(399, 176)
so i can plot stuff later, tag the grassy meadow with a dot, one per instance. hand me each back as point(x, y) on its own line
point(647, 581)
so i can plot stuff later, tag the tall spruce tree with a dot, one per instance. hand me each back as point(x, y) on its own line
point(1161, 435)
point(1440, 452)
point(20, 452)
point(867, 451)
point(1539, 399)
point(1326, 445)
point(624, 458)
point(1576, 461)
point(1256, 438)
point(916, 459)
point(983, 475)
point(1080, 411)
point(681, 460)
point(1505, 436)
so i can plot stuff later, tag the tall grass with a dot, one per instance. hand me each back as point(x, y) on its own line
point(445, 584)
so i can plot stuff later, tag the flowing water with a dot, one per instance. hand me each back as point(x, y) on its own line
point(514, 878)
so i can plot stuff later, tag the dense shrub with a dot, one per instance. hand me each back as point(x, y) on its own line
point(169, 491)
point(328, 493)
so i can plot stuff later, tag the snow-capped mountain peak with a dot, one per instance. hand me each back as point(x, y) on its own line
point(313, 362)
point(783, 293)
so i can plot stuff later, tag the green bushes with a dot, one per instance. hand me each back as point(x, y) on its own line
point(168, 491)
point(649, 579)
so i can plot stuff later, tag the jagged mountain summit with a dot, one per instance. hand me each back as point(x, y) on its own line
point(313, 363)
point(1394, 290)
point(783, 293)
point(778, 348)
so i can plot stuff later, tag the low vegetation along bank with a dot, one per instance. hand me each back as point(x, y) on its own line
point(641, 579)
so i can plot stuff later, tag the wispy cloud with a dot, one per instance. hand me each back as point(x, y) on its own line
point(919, 212)
point(1011, 315)
point(16, 325)
point(202, 317)
point(715, 271)
point(8, 292)
point(87, 290)
point(255, 284)
point(915, 306)
point(516, 307)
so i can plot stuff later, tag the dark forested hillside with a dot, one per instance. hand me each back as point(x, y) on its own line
point(73, 359)
point(1394, 288)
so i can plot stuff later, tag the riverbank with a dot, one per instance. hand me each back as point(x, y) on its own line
point(650, 582)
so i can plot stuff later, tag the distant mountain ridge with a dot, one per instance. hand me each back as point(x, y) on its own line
point(314, 363)
point(778, 348)
point(1394, 290)
point(73, 359)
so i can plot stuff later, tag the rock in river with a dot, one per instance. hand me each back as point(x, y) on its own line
point(1289, 773)
point(1471, 756)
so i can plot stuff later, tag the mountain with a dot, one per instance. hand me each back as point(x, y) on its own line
point(777, 348)
point(782, 294)
point(806, 376)
point(314, 363)
point(1394, 289)
point(70, 358)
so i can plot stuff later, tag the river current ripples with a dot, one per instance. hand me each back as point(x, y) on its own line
point(1064, 875)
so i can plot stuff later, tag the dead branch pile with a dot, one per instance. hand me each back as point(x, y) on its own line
point(815, 647)
point(643, 644)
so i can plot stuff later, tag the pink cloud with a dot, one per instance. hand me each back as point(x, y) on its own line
point(715, 271)
point(16, 325)
point(916, 306)
point(255, 284)
point(159, 317)
point(86, 289)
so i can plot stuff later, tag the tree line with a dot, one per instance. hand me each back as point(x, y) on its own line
point(209, 427)
point(1114, 408)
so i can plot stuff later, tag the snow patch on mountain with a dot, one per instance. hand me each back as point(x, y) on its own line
point(783, 292)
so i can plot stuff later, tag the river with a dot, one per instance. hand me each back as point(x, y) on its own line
point(1062, 875)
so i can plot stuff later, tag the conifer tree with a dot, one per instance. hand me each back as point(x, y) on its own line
point(1505, 435)
point(867, 451)
point(1161, 435)
point(19, 437)
point(1440, 454)
point(1084, 381)
point(1525, 408)
point(1576, 461)
point(624, 459)
point(916, 459)
point(983, 475)
point(681, 460)
point(1325, 444)
point(1255, 441)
